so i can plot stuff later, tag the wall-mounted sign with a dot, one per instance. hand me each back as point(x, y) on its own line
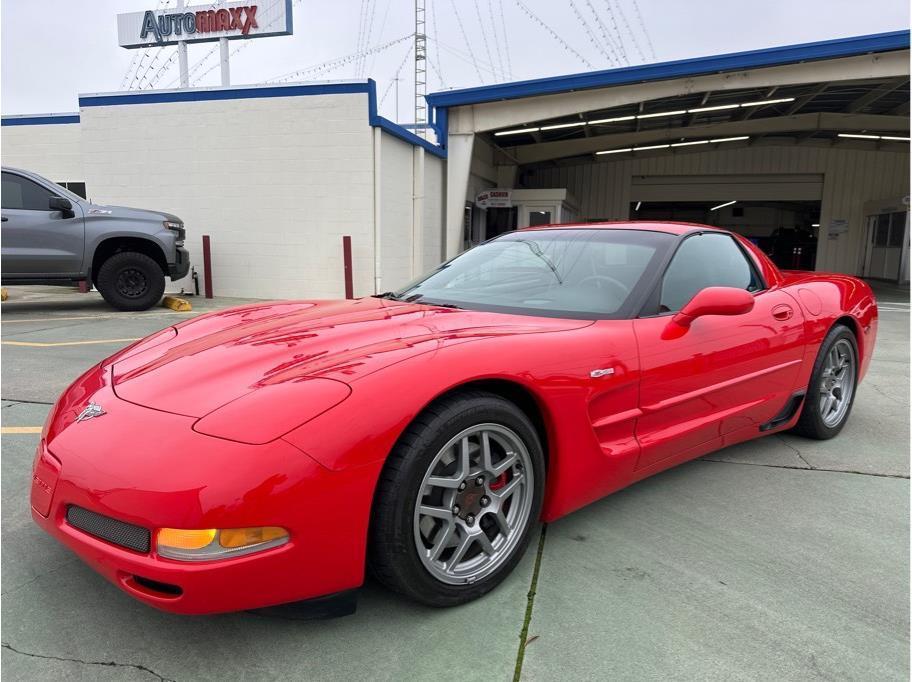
point(494, 198)
point(837, 227)
point(204, 23)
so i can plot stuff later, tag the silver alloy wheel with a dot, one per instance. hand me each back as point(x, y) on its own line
point(837, 383)
point(474, 503)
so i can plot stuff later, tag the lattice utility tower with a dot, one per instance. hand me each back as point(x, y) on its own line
point(420, 69)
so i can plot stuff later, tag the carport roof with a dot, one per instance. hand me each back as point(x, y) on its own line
point(682, 68)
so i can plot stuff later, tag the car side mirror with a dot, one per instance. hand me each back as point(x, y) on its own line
point(714, 301)
point(61, 204)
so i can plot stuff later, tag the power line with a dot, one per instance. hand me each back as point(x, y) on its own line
point(484, 34)
point(464, 57)
point(603, 31)
point(340, 61)
point(636, 42)
point(437, 69)
point(553, 34)
point(468, 43)
point(639, 16)
point(500, 60)
point(395, 76)
point(503, 25)
point(381, 33)
point(617, 32)
point(370, 32)
point(588, 30)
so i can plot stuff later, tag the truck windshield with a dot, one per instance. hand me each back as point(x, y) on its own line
point(585, 273)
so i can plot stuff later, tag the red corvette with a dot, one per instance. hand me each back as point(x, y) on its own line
point(271, 453)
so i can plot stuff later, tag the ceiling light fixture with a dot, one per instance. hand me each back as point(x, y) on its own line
point(727, 203)
point(637, 208)
point(564, 125)
point(764, 102)
point(718, 107)
point(616, 119)
point(679, 112)
point(863, 136)
point(516, 131)
point(676, 144)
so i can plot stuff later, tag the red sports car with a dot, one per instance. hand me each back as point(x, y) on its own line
point(271, 453)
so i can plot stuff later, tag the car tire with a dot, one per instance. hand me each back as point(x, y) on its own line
point(430, 451)
point(830, 394)
point(131, 281)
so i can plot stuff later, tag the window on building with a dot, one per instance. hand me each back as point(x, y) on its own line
point(78, 188)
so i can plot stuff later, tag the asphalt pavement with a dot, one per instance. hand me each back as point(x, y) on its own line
point(779, 559)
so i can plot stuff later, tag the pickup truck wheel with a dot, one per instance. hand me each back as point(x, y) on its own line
point(131, 281)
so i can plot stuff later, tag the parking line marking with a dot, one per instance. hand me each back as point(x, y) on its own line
point(99, 317)
point(20, 429)
point(40, 344)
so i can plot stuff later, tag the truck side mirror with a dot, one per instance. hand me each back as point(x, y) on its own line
point(63, 205)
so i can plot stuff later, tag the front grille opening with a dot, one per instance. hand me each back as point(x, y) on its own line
point(155, 586)
point(116, 532)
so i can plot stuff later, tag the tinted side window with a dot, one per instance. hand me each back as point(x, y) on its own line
point(705, 260)
point(17, 192)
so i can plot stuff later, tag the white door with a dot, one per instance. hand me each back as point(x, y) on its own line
point(885, 245)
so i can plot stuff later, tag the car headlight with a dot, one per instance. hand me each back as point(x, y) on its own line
point(178, 228)
point(213, 543)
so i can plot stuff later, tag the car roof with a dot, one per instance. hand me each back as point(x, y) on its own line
point(670, 227)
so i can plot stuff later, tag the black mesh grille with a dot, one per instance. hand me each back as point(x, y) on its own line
point(104, 527)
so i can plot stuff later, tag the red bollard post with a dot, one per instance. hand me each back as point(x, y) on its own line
point(207, 267)
point(347, 266)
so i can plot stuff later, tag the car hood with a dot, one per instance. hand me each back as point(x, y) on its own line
point(127, 213)
point(202, 364)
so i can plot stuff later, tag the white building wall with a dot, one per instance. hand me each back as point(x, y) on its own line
point(434, 206)
point(275, 182)
point(54, 151)
point(396, 211)
point(851, 178)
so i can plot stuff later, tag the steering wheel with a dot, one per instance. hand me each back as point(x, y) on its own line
point(618, 285)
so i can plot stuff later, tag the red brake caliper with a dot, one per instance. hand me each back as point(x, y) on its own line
point(498, 482)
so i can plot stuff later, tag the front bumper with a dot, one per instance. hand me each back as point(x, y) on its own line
point(181, 265)
point(148, 468)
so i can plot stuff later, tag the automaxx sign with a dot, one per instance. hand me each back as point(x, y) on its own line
point(204, 23)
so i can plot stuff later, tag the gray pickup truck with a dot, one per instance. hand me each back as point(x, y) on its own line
point(51, 236)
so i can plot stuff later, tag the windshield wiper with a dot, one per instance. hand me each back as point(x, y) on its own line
point(391, 295)
point(416, 298)
point(537, 250)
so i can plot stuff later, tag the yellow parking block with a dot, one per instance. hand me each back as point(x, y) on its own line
point(20, 429)
point(181, 305)
point(4, 294)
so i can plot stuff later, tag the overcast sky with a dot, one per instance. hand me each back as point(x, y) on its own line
point(53, 50)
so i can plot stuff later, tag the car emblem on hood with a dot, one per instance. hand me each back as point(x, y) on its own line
point(93, 410)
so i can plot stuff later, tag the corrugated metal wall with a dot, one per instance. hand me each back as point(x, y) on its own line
point(851, 177)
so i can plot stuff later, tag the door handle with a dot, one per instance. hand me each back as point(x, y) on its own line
point(782, 312)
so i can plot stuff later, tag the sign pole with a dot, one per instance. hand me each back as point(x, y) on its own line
point(182, 56)
point(223, 55)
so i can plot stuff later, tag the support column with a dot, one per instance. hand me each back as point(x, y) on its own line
point(417, 211)
point(459, 165)
point(182, 55)
point(378, 232)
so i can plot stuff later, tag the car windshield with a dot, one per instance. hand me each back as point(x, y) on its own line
point(585, 273)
